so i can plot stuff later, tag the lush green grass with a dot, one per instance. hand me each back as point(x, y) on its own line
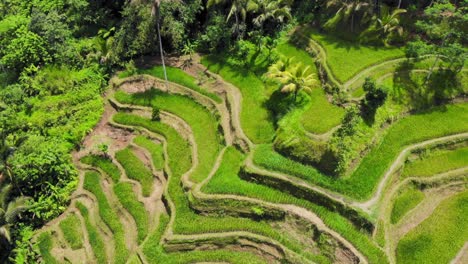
point(104, 164)
point(437, 162)
point(156, 150)
point(203, 123)
point(136, 170)
point(155, 253)
point(92, 183)
point(321, 115)
point(383, 70)
point(440, 237)
point(227, 181)
point(129, 200)
point(215, 256)
point(178, 76)
point(346, 59)
point(187, 221)
point(45, 243)
point(151, 246)
point(71, 229)
point(95, 239)
point(405, 201)
point(287, 50)
point(441, 121)
point(255, 117)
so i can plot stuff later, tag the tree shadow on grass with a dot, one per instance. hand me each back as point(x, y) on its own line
point(412, 89)
point(279, 104)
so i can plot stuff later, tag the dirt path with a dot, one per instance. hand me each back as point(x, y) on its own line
point(365, 73)
point(462, 256)
point(322, 137)
point(383, 77)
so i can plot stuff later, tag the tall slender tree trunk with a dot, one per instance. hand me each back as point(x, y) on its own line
point(155, 12)
point(431, 70)
point(237, 26)
point(399, 4)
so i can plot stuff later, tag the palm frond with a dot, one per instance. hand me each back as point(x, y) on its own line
point(4, 193)
point(289, 88)
point(5, 232)
point(15, 208)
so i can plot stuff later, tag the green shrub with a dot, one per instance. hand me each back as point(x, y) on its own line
point(155, 113)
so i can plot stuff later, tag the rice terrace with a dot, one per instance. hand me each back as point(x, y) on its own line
point(234, 131)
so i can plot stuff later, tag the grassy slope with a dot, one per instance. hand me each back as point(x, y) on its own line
point(156, 150)
point(255, 118)
point(71, 229)
point(405, 201)
point(95, 239)
point(227, 181)
point(320, 115)
point(187, 221)
point(104, 164)
point(437, 162)
point(202, 122)
point(129, 200)
point(108, 215)
point(346, 59)
point(440, 237)
point(155, 254)
point(441, 121)
point(136, 170)
point(175, 75)
point(45, 243)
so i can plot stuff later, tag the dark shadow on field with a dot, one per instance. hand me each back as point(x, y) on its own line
point(346, 40)
point(412, 88)
point(279, 104)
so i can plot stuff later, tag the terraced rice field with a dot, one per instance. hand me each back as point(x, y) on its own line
point(202, 184)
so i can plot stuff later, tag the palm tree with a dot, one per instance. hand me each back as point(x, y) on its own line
point(277, 10)
point(155, 12)
point(155, 7)
point(105, 41)
point(10, 210)
point(347, 9)
point(292, 77)
point(385, 27)
point(390, 23)
point(238, 10)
